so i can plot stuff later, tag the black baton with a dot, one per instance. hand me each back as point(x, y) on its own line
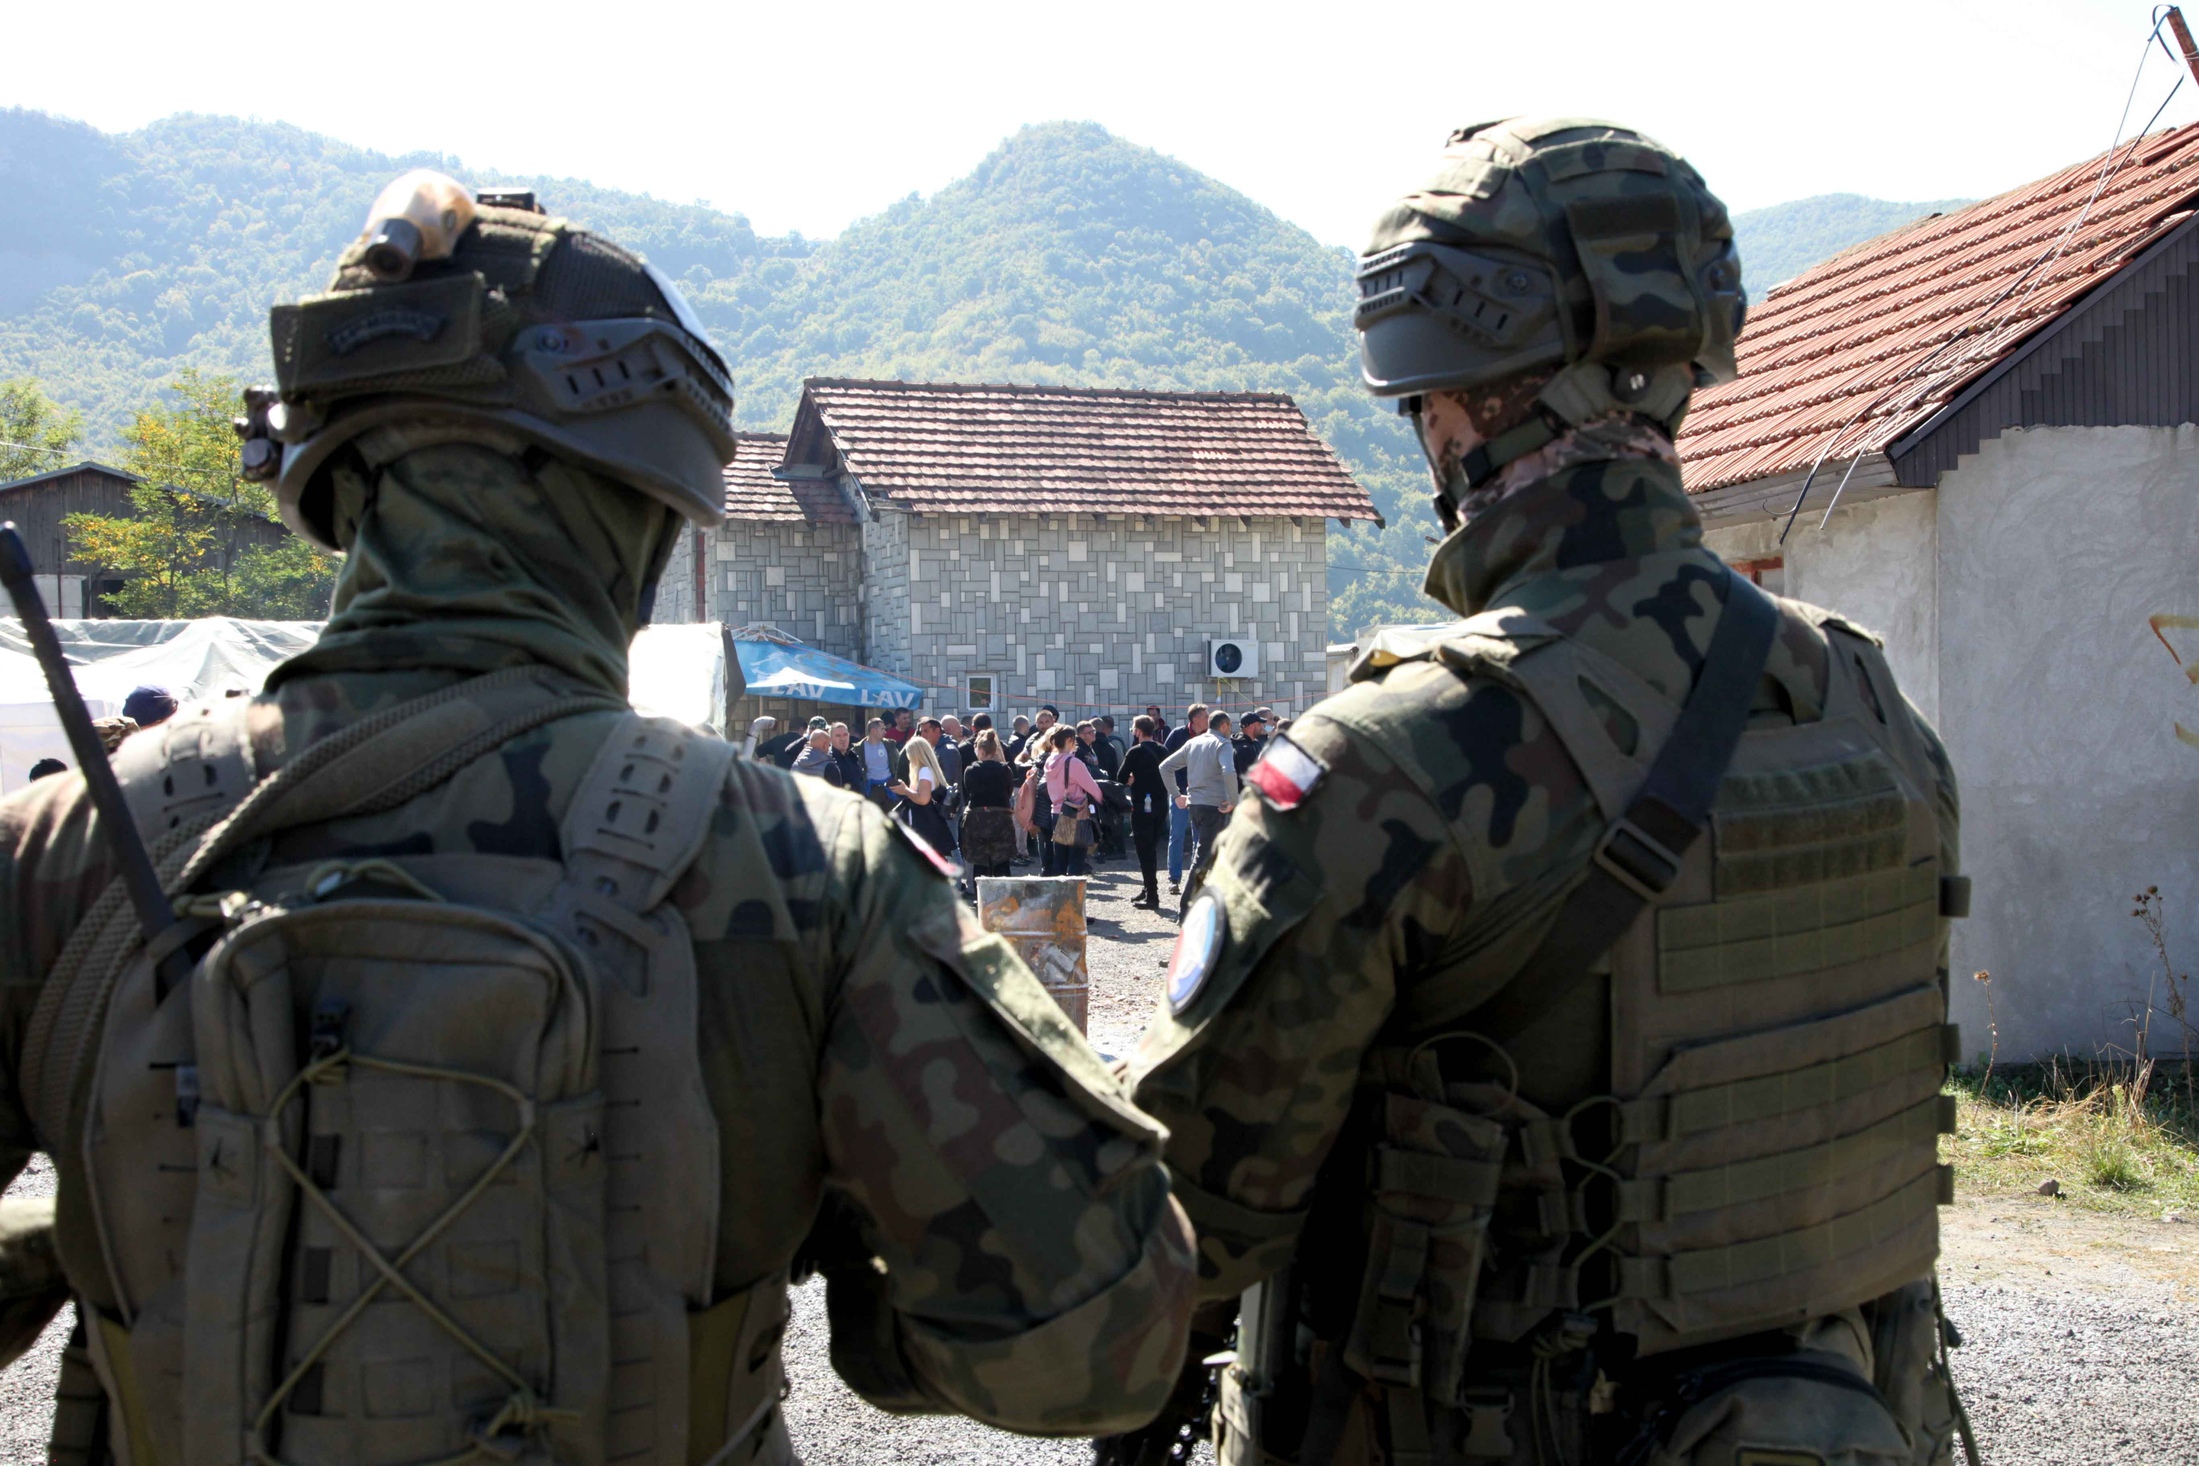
point(155, 913)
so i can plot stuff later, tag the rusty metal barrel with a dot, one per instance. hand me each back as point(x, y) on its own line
point(1042, 917)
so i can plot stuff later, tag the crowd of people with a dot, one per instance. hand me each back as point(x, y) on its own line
point(145, 707)
point(1044, 792)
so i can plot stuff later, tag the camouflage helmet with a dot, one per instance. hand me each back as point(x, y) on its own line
point(1567, 246)
point(525, 324)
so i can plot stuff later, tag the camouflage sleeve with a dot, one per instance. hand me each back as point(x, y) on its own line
point(1031, 1270)
point(52, 868)
point(1329, 905)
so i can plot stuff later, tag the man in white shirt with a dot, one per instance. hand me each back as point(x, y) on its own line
point(1209, 765)
point(877, 761)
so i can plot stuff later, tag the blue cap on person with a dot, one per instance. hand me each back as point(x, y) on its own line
point(47, 766)
point(147, 706)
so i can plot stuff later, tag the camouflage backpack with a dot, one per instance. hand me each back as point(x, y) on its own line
point(419, 1167)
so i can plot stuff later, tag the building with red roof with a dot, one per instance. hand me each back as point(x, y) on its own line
point(1008, 546)
point(1994, 412)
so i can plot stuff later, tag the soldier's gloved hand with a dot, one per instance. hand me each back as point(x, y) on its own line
point(1188, 1416)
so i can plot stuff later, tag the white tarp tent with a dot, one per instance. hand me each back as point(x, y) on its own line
point(192, 659)
point(676, 672)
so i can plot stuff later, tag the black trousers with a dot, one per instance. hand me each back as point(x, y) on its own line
point(1149, 832)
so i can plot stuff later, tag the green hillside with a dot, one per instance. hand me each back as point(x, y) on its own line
point(1782, 241)
point(1067, 256)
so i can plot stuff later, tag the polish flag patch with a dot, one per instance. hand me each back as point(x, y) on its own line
point(1286, 773)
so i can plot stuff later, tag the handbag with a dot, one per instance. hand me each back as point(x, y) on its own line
point(1073, 827)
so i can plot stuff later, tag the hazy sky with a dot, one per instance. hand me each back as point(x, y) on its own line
point(806, 116)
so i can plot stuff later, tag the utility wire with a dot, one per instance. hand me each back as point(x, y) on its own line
point(2110, 166)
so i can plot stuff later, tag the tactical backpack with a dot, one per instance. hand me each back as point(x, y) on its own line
point(419, 1168)
point(1766, 1167)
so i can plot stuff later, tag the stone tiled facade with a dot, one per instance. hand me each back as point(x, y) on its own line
point(1109, 614)
point(1080, 606)
point(802, 578)
point(1102, 613)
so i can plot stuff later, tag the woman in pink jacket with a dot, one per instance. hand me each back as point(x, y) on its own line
point(1075, 794)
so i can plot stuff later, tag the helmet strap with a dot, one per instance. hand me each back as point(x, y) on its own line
point(1514, 443)
point(1587, 390)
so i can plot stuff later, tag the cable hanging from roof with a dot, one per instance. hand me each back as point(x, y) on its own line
point(1981, 336)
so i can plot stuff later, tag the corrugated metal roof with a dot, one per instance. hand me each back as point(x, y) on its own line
point(960, 448)
point(751, 492)
point(1866, 347)
point(86, 466)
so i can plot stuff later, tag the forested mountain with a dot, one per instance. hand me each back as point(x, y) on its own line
point(1067, 256)
point(1782, 241)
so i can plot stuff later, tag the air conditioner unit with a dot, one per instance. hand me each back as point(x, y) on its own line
point(1229, 656)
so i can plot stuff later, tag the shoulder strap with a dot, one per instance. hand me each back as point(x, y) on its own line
point(642, 812)
point(394, 756)
point(179, 778)
point(1640, 854)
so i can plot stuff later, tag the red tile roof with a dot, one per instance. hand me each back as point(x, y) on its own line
point(1859, 351)
point(752, 493)
point(944, 447)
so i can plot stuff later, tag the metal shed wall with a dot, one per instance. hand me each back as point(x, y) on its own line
point(2127, 356)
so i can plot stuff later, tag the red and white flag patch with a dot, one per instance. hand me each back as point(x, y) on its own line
point(1286, 773)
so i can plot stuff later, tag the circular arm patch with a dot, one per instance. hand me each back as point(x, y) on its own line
point(1198, 950)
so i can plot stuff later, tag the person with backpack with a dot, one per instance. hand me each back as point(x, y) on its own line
point(1552, 1056)
point(513, 1049)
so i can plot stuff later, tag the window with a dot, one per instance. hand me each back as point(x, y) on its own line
point(980, 698)
point(1771, 574)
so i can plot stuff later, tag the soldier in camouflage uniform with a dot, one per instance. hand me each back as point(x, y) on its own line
point(507, 445)
point(1552, 1058)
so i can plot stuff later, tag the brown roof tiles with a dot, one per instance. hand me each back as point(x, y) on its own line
point(1859, 351)
point(752, 492)
point(944, 447)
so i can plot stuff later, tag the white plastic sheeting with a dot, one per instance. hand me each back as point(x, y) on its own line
point(676, 672)
point(192, 659)
point(679, 672)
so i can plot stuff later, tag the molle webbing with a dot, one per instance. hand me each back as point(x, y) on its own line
point(1640, 855)
point(1832, 1082)
point(698, 1376)
point(1796, 931)
point(1799, 1271)
point(1738, 1182)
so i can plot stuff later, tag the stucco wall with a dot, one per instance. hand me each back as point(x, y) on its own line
point(2017, 603)
point(1096, 613)
point(2060, 704)
point(1873, 563)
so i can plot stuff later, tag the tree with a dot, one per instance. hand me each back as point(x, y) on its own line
point(191, 547)
point(35, 433)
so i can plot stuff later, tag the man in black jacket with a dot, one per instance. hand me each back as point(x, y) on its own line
point(1252, 741)
point(1149, 805)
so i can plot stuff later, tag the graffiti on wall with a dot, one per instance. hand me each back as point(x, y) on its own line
point(2162, 626)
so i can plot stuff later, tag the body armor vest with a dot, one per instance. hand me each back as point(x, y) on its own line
point(1766, 1152)
point(420, 1167)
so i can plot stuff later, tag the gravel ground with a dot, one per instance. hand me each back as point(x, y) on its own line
point(2079, 1328)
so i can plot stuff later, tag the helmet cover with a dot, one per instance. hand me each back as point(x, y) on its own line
point(1543, 245)
point(531, 326)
